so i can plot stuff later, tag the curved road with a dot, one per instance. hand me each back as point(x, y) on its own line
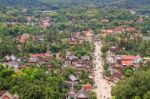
point(103, 89)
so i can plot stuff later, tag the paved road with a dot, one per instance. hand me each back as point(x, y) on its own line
point(103, 89)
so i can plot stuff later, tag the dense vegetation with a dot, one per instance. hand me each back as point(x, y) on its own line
point(134, 87)
point(32, 83)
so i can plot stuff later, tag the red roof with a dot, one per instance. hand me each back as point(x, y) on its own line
point(127, 62)
point(87, 87)
point(107, 31)
point(130, 57)
point(23, 38)
point(130, 29)
point(78, 33)
point(117, 74)
point(140, 20)
point(40, 55)
point(88, 33)
point(119, 29)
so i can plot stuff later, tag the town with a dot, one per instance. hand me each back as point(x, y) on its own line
point(74, 53)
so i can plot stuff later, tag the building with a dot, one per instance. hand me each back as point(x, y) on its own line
point(45, 23)
point(81, 94)
point(107, 31)
point(8, 58)
point(140, 20)
point(11, 61)
point(130, 60)
point(71, 94)
point(131, 29)
point(72, 58)
point(85, 58)
point(72, 78)
point(47, 54)
point(72, 41)
point(119, 30)
point(87, 87)
point(7, 95)
point(33, 60)
point(88, 34)
point(23, 38)
point(123, 60)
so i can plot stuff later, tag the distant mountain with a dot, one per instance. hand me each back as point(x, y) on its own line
point(48, 3)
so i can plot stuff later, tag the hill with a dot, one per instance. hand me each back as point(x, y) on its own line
point(142, 5)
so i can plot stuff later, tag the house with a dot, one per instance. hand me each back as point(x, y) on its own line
point(119, 30)
point(130, 60)
point(87, 87)
point(67, 63)
point(116, 76)
point(47, 54)
point(140, 19)
point(23, 38)
point(68, 53)
point(72, 41)
point(85, 58)
point(114, 49)
point(7, 95)
point(131, 29)
point(72, 58)
point(50, 66)
point(109, 53)
point(78, 35)
point(82, 94)
point(111, 57)
point(124, 60)
point(11, 61)
point(44, 59)
point(72, 78)
point(78, 64)
point(33, 60)
point(71, 94)
point(8, 58)
point(111, 60)
point(107, 31)
point(131, 11)
point(45, 23)
point(104, 20)
point(29, 18)
point(88, 34)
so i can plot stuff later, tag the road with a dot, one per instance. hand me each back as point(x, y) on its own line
point(103, 89)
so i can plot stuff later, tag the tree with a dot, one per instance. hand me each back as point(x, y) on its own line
point(93, 95)
point(147, 95)
point(36, 83)
point(136, 85)
point(128, 72)
point(104, 48)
